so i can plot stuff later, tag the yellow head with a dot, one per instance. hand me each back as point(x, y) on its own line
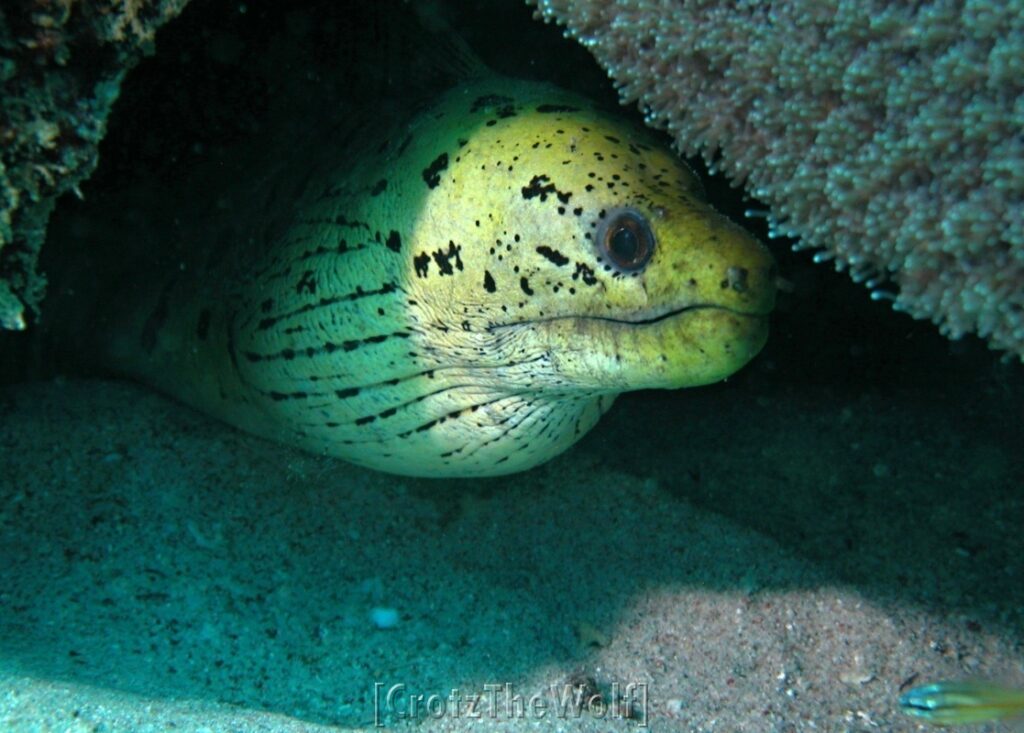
point(581, 242)
point(554, 257)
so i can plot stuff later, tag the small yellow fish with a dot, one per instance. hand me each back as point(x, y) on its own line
point(971, 701)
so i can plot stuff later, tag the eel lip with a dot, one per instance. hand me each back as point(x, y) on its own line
point(754, 315)
point(685, 309)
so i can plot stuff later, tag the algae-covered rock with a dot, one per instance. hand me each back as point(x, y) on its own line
point(61, 67)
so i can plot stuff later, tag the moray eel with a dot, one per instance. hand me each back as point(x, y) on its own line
point(461, 294)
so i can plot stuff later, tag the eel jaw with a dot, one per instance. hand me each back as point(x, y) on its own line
point(685, 347)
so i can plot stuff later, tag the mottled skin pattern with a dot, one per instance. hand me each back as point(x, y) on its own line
point(436, 302)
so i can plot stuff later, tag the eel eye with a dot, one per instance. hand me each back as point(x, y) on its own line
point(627, 239)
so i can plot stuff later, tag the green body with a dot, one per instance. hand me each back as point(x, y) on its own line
point(428, 298)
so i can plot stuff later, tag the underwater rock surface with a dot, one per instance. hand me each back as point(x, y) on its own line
point(61, 68)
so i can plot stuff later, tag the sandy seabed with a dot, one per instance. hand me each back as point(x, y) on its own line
point(714, 563)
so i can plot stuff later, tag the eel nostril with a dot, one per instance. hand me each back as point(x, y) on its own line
point(737, 278)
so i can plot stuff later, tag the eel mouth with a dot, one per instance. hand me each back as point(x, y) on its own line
point(647, 321)
point(678, 312)
point(685, 346)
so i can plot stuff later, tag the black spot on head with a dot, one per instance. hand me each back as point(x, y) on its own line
point(525, 285)
point(394, 241)
point(542, 186)
point(552, 255)
point(432, 173)
point(422, 263)
point(539, 186)
point(585, 273)
point(489, 284)
point(444, 258)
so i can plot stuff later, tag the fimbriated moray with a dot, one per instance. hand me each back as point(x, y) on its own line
point(461, 293)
